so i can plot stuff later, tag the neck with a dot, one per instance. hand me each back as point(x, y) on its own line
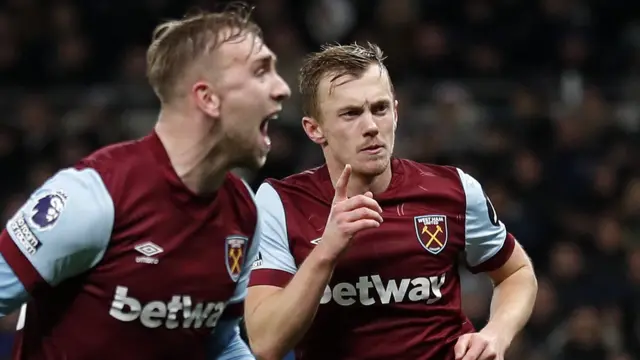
point(195, 150)
point(359, 183)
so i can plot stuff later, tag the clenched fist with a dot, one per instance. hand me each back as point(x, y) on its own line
point(478, 346)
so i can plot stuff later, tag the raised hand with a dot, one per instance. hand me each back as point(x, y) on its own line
point(348, 216)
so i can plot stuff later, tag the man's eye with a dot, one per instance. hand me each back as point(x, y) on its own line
point(379, 110)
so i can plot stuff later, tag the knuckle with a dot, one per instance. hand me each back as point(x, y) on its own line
point(372, 214)
point(367, 200)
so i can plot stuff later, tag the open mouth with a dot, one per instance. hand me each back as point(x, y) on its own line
point(264, 125)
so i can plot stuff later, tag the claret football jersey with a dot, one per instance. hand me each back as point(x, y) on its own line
point(117, 259)
point(395, 294)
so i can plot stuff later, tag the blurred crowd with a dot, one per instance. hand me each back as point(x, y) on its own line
point(539, 100)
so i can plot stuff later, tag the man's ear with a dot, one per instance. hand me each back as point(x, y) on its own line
point(395, 115)
point(313, 130)
point(206, 99)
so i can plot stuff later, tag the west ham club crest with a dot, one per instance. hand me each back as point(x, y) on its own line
point(432, 232)
point(234, 254)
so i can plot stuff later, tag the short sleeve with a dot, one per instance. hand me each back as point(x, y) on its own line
point(12, 292)
point(488, 245)
point(275, 264)
point(61, 231)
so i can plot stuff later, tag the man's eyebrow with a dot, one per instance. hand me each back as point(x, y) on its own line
point(351, 107)
point(373, 104)
point(266, 59)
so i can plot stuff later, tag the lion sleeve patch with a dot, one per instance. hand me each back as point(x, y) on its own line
point(65, 226)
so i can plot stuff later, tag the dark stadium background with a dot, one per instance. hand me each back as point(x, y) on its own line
point(539, 99)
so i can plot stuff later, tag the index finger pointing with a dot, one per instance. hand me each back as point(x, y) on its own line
point(341, 184)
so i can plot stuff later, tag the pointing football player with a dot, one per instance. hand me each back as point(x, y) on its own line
point(359, 258)
point(146, 244)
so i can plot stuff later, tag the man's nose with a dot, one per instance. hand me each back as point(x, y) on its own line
point(281, 90)
point(370, 125)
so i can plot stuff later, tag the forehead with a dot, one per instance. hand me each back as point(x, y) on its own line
point(374, 85)
point(244, 49)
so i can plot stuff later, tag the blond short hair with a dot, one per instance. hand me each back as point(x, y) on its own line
point(177, 44)
point(335, 61)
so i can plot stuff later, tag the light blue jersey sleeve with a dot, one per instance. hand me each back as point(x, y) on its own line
point(274, 251)
point(226, 343)
point(61, 231)
point(485, 234)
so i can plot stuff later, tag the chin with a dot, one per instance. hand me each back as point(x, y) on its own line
point(260, 161)
point(372, 167)
point(252, 162)
point(257, 162)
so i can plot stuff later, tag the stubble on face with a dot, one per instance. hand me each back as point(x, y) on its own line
point(245, 100)
point(371, 123)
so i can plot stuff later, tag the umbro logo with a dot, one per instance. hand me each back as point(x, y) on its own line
point(316, 241)
point(149, 250)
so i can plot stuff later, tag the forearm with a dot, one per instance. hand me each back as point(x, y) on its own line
point(511, 305)
point(281, 319)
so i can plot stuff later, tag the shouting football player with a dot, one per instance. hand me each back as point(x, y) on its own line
point(141, 251)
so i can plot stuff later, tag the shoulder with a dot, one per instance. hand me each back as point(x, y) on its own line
point(123, 166)
point(299, 180)
point(118, 161)
point(441, 180)
point(270, 206)
point(304, 177)
point(70, 188)
point(268, 199)
point(312, 184)
point(425, 170)
point(114, 156)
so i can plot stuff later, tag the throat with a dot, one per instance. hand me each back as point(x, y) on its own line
point(202, 180)
point(200, 162)
point(359, 184)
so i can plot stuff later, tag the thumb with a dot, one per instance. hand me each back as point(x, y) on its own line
point(341, 184)
point(462, 345)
